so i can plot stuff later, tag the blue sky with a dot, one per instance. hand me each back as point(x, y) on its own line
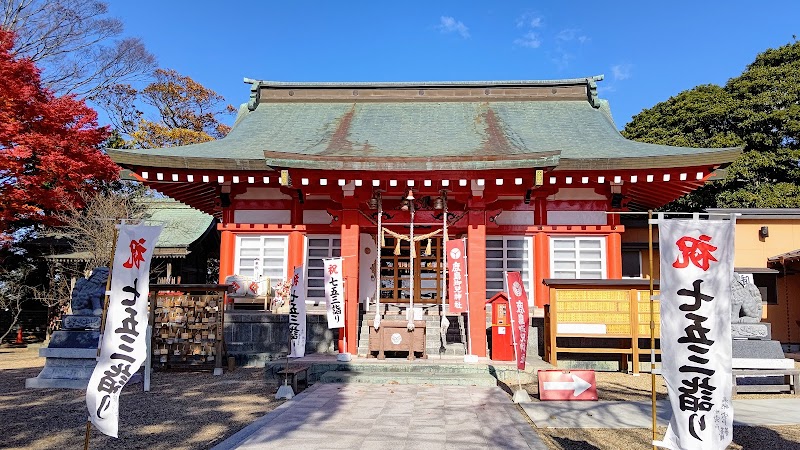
point(648, 51)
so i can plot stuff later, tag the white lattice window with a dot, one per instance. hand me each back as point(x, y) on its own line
point(262, 256)
point(318, 248)
point(578, 257)
point(508, 253)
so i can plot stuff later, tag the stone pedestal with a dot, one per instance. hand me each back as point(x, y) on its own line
point(71, 357)
point(760, 330)
point(756, 357)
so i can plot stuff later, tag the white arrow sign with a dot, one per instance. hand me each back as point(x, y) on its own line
point(578, 385)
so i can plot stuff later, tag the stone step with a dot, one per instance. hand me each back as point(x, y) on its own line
point(417, 366)
point(375, 377)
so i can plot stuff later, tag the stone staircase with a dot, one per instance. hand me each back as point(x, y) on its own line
point(455, 336)
point(421, 373)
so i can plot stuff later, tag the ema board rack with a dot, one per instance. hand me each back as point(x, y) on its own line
point(187, 329)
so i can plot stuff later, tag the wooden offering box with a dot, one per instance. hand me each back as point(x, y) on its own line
point(393, 336)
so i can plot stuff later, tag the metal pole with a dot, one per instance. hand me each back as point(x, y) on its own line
point(411, 251)
point(466, 280)
point(378, 256)
point(652, 324)
point(444, 324)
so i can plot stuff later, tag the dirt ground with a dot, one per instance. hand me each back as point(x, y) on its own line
point(182, 410)
point(186, 410)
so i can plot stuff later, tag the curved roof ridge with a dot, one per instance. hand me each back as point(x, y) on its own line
point(412, 84)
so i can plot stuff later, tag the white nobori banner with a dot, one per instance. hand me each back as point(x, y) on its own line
point(695, 287)
point(123, 346)
point(334, 292)
point(297, 314)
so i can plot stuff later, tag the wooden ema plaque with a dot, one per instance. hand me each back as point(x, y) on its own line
point(186, 330)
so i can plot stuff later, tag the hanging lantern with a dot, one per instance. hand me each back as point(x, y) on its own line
point(372, 203)
point(438, 203)
point(410, 196)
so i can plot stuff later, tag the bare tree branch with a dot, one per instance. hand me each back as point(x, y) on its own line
point(13, 294)
point(76, 45)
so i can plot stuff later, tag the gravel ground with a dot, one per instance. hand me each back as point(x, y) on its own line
point(186, 410)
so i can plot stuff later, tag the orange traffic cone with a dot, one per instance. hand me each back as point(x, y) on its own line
point(19, 336)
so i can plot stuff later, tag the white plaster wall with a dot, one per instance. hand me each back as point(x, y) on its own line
point(577, 218)
point(272, 216)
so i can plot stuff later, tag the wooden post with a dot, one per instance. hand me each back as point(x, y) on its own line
point(553, 328)
point(634, 320)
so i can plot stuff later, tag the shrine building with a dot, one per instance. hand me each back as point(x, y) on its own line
point(526, 171)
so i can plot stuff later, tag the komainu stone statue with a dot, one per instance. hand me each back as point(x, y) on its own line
point(88, 294)
point(745, 301)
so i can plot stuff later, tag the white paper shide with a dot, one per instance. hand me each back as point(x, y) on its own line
point(123, 346)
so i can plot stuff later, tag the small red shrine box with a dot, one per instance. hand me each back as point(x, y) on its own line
point(502, 347)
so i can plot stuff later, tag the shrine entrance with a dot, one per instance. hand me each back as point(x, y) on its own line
point(403, 276)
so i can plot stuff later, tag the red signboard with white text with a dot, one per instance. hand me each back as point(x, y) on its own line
point(518, 313)
point(567, 385)
point(457, 280)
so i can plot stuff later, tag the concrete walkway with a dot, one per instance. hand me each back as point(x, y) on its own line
point(388, 416)
point(606, 414)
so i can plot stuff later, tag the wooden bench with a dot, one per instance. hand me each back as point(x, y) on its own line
point(789, 380)
point(293, 373)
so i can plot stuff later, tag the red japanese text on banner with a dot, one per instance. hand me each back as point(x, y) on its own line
point(696, 274)
point(334, 292)
point(123, 346)
point(518, 312)
point(457, 276)
point(297, 313)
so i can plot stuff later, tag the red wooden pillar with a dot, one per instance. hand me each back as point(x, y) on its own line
point(541, 269)
point(540, 210)
point(350, 253)
point(227, 248)
point(614, 256)
point(476, 266)
point(297, 254)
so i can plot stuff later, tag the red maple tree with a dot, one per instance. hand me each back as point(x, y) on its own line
point(49, 147)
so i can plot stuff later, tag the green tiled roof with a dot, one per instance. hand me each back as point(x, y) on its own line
point(468, 133)
point(182, 224)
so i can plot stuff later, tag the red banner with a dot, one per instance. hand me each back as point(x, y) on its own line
point(518, 304)
point(457, 279)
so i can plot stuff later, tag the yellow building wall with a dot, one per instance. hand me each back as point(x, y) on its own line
point(753, 251)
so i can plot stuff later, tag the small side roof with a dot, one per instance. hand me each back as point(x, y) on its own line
point(183, 225)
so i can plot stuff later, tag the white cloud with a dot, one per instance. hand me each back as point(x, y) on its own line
point(529, 20)
point(572, 34)
point(561, 59)
point(450, 25)
point(621, 71)
point(530, 40)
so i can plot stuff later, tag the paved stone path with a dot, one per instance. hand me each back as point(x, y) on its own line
point(386, 417)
